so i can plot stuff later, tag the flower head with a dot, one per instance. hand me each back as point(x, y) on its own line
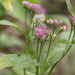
point(54, 22)
point(43, 37)
point(41, 32)
point(72, 20)
point(25, 3)
point(36, 7)
point(63, 28)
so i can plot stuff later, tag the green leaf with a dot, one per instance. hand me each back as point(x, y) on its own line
point(70, 8)
point(32, 38)
point(8, 60)
point(5, 22)
point(64, 18)
point(54, 56)
point(63, 41)
point(31, 1)
point(25, 61)
point(42, 23)
point(8, 41)
point(8, 4)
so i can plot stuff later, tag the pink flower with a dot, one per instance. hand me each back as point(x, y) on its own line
point(36, 7)
point(38, 18)
point(34, 20)
point(55, 22)
point(51, 21)
point(37, 35)
point(42, 32)
point(42, 11)
point(43, 37)
point(25, 3)
point(43, 29)
point(60, 22)
point(72, 20)
point(63, 28)
point(48, 21)
point(47, 33)
point(30, 6)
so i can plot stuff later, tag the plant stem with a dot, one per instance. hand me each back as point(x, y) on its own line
point(24, 71)
point(40, 50)
point(56, 36)
point(64, 51)
point(26, 37)
point(47, 53)
point(37, 53)
point(32, 15)
point(25, 20)
point(68, 39)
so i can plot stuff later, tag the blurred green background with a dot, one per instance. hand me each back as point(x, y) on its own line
point(12, 41)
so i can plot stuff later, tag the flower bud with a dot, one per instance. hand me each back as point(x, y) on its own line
point(48, 21)
point(34, 21)
point(55, 22)
point(37, 35)
point(30, 6)
point(25, 3)
point(36, 7)
point(51, 21)
point(43, 37)
point(41, 20)
point(47, 33)
point(60, 22)
point(38, 18)
point(63, 28)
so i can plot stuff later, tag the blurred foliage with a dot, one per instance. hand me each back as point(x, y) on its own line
point(2, 11)
point(8, 4)
point(9, 41)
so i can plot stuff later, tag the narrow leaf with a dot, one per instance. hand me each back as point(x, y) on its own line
point(41, 23)
point(8, 4)
point(5, 22)
point(8, 60)
point(63, 41)
point(25, 61)
point(70, 8)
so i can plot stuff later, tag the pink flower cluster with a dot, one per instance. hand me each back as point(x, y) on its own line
point(41, 32)
point(63, 28)
point(72, 20)
point(54, 22)
point(33, 7)
point(36, 20)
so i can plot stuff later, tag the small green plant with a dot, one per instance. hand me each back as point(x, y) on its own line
point(39, 32)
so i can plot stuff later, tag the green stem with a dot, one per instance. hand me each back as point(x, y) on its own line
point(29, 47)
point(40, 50)
point(25, 20)
point(26, 37)
point(47, 53)
point(24, 71)
point(68, 40)
point(28, 34)
point(64, 50)
point(56, 36)
point(37, 53)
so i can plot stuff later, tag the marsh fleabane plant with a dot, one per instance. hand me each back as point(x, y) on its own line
point(42, 34)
